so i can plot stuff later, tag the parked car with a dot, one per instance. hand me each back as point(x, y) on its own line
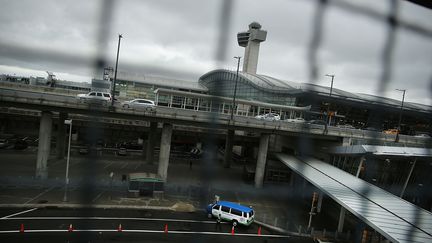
point(391, 131)
point(4, 143)
point(122, 152)
point(422, 135)
point(84, 150)
point(296, 120)
point(268, 117)
point(317, 122)
point(345, 126)
point(139, 104)
point(95, 97)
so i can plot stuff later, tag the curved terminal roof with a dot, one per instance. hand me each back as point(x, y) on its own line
point(271, 84)
point(161, 81)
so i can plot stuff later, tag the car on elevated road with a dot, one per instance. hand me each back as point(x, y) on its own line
point(268, 117)
point(139, 104)
point(95, 97)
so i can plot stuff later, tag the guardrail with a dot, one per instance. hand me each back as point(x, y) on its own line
point(174, 115)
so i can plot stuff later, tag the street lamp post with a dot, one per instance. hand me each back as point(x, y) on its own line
point(235, 87)
point(115, 72)
point(331, 89)
point(67, 122)
point(400, 114)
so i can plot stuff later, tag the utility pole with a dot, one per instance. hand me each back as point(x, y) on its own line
point(331, 89)
point(235, 87)
point(400, 114)
point(115, 73)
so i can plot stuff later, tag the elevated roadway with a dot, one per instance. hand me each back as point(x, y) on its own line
point(69, 104)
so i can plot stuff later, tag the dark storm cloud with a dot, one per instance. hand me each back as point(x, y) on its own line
point(179, 39)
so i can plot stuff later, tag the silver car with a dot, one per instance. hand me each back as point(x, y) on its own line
point(139, 104)
point(95, 97)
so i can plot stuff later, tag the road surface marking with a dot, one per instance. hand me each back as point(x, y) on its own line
point(108, 165)
point(144, 231)
point(98, 196)
point(115, 218)
point(124, 165)
point(40, 194)
point(26, 211)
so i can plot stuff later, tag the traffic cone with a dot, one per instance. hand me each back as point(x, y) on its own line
point(259, 230)
point(232, 230)
point(120, 229)
point(166, 228)
point(70, 229)
point(22, 228)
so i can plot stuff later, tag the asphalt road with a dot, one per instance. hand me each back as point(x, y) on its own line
point(102, 225)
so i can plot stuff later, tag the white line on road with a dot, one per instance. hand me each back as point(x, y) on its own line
point(143, 231)
point(124, 165)
point(98, 196)
point(114, 218)
point(40, 194)
point(26, 211)
point(108, 165)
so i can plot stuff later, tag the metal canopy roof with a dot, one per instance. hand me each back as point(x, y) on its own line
point(393, 217)
point(384, 150)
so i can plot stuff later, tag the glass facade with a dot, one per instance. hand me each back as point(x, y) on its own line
point(222, 83)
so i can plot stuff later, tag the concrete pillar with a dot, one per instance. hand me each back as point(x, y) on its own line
point(341, 220)
point(61, 136)
point(44, 146)
point(261, 161)
point(228, 148)
point(165, 147)
point(151, 142)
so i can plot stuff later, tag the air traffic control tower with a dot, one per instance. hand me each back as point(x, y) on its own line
point(251, 40)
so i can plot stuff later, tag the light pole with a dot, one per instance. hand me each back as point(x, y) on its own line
point(400, 114)
point(235, 87)
point(331, 89)
point(115, 72)
point(67, 122)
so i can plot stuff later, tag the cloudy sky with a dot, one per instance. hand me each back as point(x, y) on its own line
point(179, 39)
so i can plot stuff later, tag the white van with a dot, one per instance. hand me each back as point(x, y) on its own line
point(232, 212)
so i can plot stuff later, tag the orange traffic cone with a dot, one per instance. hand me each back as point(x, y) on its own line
point(119, 229)
point(22, 228)
point(70, 229)
point(166, 228)
point(259, 230)
point(232, 230)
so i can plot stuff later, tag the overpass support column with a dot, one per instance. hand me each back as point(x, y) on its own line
point(228, 148)
point(151, 142)
point(341, 220)
point(61, 136)
point(165, 147)
point(261, 161)
point(44, 145)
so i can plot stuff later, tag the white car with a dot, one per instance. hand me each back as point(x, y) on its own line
point(139, 104)
point(296, 120)
point(95, 97)
point(269, 117)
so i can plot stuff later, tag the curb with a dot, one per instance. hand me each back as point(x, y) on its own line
point(279, 230)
